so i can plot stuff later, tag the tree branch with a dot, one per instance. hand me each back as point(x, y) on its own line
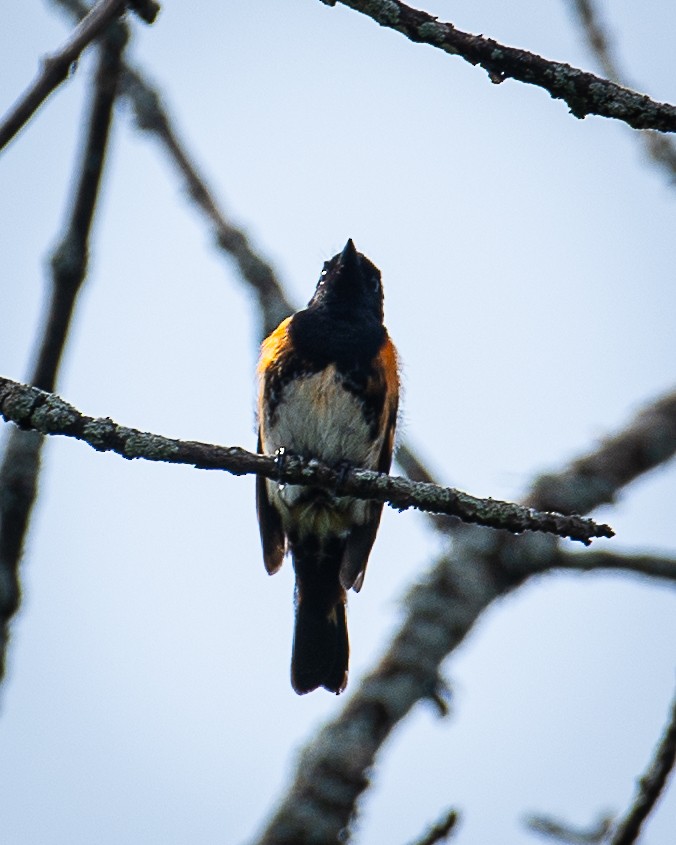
point(662, 150)
point(31, 408)
point(627, 830)
point(332, 771)
point(650, 785)
point(21, 461)
point(441, 830)
point(583, 92)
point(55, 67)
point(562, 832)
point(650, 566)
point(595, 479)
point(152, 116)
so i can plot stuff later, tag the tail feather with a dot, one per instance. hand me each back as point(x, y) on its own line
point(320, 649)
point(320, 642)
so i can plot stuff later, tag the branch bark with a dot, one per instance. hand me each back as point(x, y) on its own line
point(55, 67)
point(583, 92)
point(31, 408)
point(20, 467)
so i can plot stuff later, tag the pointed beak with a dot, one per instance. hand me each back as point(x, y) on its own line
point(349, 255)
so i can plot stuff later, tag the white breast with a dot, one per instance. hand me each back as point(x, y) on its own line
point(318, 418)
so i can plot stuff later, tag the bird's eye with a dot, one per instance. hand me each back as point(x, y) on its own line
point(376, 283)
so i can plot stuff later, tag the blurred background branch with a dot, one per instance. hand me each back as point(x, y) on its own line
point(650, 785)
point(55, 67)
point(440, 611)
point(20, 466)
point(660, 149)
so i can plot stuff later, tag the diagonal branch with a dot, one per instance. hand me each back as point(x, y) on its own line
point(625, 831)
point(45, 412)
point(153, 117)
point(662, 150)
point(650, 566)
point(55, 67)
point(554, 829)
point(583, 92)
point(21, 462)
point(332, 771)
point(441, 830)
point(595, 479)
point(650, 785)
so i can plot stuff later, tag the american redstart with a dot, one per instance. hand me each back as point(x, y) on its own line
point(329, 389)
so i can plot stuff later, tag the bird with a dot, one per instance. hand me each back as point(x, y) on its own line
point(328, 381)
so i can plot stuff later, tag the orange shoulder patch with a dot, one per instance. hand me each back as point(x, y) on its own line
point(273, 345)
point(390, 365)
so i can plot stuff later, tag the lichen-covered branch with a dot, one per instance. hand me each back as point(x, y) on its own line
point(650, 785)
point(31, 408)
point(332, 772)
point(584, 92)
point(55, 67)
point(660, 149)
point(21, 461)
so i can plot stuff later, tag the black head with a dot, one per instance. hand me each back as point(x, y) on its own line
point(343, 322)
point(349, 286)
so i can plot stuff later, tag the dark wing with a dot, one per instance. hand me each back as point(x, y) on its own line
point(362, 537)
point(269, 523)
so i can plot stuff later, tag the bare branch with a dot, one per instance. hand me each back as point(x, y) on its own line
point(55, 67)
point(21, 462)
point(650, 785)
point(564, 833)
point(627, 830)
point(441, 609)
point(660, 149)
point(595, 479)
point(583, 92)
point(152, 116)
point(35, 409)
point(650, 566)
point(441, 830)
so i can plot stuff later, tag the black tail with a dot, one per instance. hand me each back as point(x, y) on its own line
point(320, 643)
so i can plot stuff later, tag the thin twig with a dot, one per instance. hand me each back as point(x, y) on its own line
point(35, 409)
point(649, 566)
point(554, 829)
point(662, 150)
point(650, 785)
point(583, 92)
point(55, 67)
point(21, 462)
point(152, 116)
point(441, 830)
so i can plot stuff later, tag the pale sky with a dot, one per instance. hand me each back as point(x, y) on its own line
point(528, 266)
